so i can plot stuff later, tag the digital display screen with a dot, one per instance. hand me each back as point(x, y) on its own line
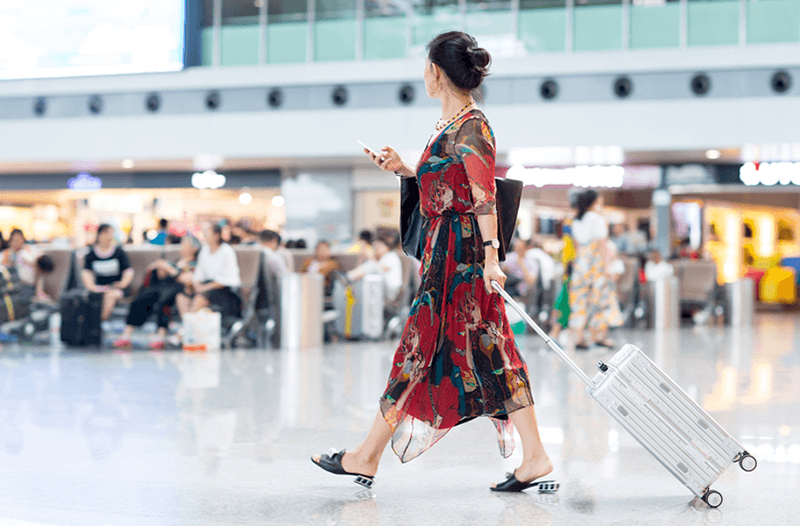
point(71, 38)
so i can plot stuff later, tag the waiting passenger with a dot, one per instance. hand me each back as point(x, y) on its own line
point(166, 280)
point(30, 264)
point(215, 277)
point(163, 232)
point(107, 270)
point(322, 263)
point(656, 268)
point(270, 242)
point(387, 264)
point(363, 247)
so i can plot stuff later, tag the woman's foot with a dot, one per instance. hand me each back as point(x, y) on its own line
point(609, 344)
point(352, 463)
point(122, 342)
point(582, 346)
point(333, 462)
point(531, 470)
point(157, 344)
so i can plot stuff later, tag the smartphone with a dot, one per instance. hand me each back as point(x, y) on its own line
point(373, 152)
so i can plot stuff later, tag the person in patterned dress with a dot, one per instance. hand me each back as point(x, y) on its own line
point(457, 359)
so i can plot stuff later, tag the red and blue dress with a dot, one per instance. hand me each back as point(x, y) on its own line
point(457, 359)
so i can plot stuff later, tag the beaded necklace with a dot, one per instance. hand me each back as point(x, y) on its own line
point(440, 125)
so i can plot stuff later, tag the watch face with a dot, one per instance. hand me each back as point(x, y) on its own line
point(496, 244)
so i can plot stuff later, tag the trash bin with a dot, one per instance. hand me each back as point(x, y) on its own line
point(666, 306)
point(302, 301)
point(740, 296)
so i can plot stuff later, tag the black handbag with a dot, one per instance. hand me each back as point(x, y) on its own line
point(508, 194)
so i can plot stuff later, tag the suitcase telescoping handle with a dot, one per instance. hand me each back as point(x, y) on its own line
point(548, 340)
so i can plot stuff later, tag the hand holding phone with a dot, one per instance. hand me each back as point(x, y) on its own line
point(368, 149)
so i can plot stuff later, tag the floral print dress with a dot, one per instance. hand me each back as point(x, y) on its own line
point(457, 359)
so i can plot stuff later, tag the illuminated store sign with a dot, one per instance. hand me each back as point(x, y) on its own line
point(581, 176)
point(770, 174)
point(84, 182)
point(208, 179)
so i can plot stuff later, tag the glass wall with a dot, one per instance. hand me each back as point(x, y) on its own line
point(386, 29)
point(432, 17)
point(287, 31)
point(237, 32)
point(712, 22)
point(654, 24)
point(543, 25)
point(597, 25)
point(335, 30)
point(240, 32)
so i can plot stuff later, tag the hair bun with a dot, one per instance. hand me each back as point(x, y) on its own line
point(480, 57)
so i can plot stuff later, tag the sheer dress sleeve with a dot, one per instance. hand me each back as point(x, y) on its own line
point(476, 150)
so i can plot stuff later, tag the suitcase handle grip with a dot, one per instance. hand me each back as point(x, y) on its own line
point(548, 340)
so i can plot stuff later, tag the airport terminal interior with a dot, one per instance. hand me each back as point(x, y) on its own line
point(206, 280)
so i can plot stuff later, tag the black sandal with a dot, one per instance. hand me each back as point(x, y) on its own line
point(582, 346)
point(332, 463)
point(512, 484)
point(608, 344)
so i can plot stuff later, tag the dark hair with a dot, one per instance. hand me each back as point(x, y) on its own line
point(14, 232)
point(584, 202)
point(464, 63)
point(163, 223)
point(365, 235)
point(217, 229)
point(269, 235)
point(102, 228)
point(301, 243)
point(45, 264)
point(390, 239)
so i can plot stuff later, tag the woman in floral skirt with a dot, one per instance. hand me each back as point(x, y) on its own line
point(457, 359)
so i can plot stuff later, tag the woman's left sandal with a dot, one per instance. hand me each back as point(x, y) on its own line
point(512, 485)
point(332, 462)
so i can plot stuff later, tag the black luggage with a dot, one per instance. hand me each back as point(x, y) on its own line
point(14, 306)
point(80, 318)
point(9, 280)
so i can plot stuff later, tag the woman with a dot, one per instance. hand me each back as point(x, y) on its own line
point(215, 277)
point(322, 263)
point(31, 265)
point(166, 281)
point(593, 302)
point(107, 270)
point(457, 359)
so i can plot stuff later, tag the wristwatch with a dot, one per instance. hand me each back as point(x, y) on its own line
point(495, 243)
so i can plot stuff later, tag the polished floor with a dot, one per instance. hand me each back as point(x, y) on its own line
point(172, 438)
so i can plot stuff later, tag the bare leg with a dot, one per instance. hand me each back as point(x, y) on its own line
point(535, 462)
point(128, 332)
point(184, 304)
point(199, 302)
point(109, 300)
point(365, 458)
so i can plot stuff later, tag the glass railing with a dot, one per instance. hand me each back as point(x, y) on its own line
point(238, 32)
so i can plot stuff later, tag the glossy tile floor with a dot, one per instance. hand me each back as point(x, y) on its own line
point(142, 438)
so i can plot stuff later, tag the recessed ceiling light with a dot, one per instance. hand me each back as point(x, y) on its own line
point(278, 201)
point(127, 164)
point(713, 154)
point(245, 198)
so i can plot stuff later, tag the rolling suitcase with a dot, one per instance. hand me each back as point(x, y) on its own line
point(80, 318)
point(659, 415)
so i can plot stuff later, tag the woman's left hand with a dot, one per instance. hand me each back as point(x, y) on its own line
point(492, 272)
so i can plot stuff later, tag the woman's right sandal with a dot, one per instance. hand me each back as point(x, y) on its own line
point(332, 462)
point(512, 485)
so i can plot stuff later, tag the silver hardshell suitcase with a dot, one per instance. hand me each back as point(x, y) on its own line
point(659, 415)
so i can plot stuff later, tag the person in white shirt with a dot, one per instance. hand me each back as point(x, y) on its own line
point(546, 264)
point(656, 268)
point(593, 301)
point(215, 277)
point(270, 242)
point(387, 264)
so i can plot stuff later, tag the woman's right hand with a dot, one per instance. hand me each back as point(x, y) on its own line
point(388, 160)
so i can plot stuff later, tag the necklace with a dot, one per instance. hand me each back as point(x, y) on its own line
point(442, 125)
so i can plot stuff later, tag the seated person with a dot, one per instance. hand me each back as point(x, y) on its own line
point(270, 242)
point(656, 268)
point(322, 263)
point(166, 280)
point(30, 264)
point(522, 272)
point(107, 270)
point(215, 278)
point(387, 264)
point(363, 247)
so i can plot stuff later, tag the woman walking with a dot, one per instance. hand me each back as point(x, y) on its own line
point(593, 302)
point(457, 359)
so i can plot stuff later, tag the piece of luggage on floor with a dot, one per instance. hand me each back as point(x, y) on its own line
point(80, 318)
point(361, 307)
point(14, 306)
point(9, 280)
point(659, 414)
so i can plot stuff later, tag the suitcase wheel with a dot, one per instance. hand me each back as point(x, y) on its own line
point(713, 498)
point(748, 462)
point(548, 486)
